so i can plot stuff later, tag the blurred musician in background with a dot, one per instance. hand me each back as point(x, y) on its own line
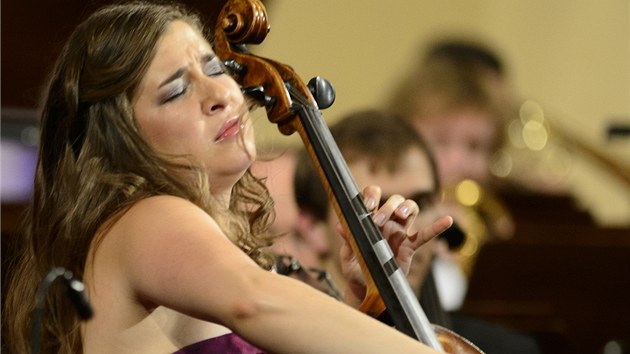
point(459, 99)
point(383, 148)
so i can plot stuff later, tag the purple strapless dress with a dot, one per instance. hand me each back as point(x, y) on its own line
point(226, 344)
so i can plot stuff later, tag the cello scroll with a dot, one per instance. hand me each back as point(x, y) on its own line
point(244, 22)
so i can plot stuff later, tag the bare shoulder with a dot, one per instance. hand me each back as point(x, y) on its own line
point(168, 250)
point(155, 228)
point(165, 223)
point(149, 260)
point(164, 206)
point(167, 216)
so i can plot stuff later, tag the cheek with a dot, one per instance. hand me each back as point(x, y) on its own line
point(166, 133)
point(156, 133)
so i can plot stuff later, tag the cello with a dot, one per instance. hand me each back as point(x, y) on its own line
point(295, 107)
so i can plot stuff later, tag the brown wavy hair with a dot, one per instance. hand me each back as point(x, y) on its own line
point(94, 165)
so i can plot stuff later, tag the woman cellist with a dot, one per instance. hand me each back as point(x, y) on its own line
point(143, 190)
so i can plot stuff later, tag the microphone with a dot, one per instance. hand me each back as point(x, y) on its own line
point(75, 291)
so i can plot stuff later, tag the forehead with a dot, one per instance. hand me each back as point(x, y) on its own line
point(414, 173)
point(179, 43)
point(181, 32)
point(179, 46)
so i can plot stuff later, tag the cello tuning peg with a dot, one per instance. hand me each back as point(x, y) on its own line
point(322, 91)
point(234, 67)
point(257, 93)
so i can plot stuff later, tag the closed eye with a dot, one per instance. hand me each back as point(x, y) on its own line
point(174, 90)
point(174, 86)
point(212, 66)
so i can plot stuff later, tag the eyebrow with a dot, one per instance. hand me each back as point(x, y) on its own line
point(179, 73)
point(207, 57)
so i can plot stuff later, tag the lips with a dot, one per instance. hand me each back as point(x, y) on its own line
point(229, 129)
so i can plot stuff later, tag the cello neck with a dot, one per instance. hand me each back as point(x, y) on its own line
point(387, 284)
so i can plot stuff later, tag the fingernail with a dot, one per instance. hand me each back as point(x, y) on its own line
point(379, 219)
point(370, 203)
point(405, 211)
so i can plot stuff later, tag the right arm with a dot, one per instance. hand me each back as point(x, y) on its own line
point(176, 256)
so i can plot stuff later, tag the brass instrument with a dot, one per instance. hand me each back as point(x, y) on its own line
point(538, 157)
point(481, 216)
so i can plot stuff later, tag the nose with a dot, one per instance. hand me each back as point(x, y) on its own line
point(216, 95)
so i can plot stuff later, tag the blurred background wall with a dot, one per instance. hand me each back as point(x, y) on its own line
point(572, 58)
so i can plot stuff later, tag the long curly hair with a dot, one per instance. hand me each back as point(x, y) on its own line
point(94, 165)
